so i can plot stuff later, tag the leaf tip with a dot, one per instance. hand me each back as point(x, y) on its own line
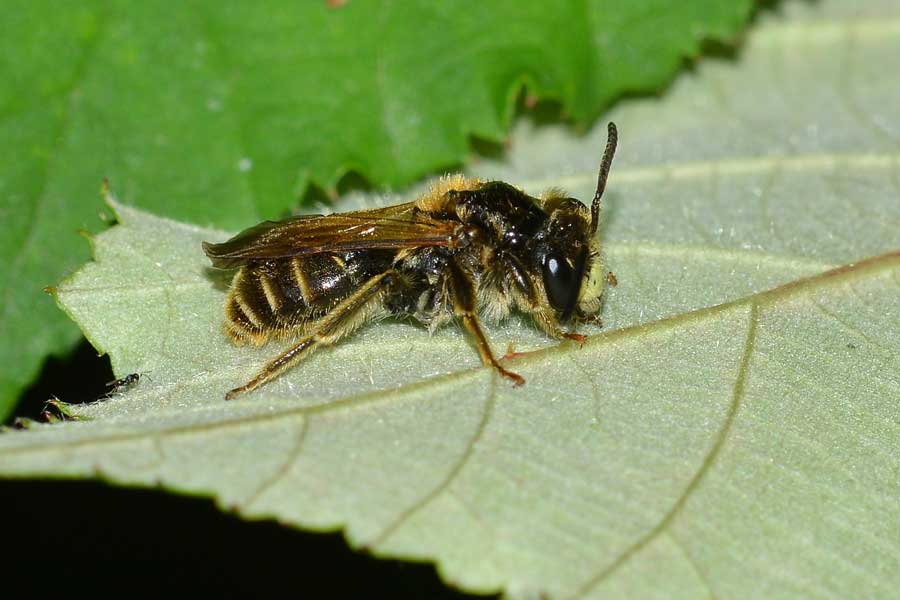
point(110, 200)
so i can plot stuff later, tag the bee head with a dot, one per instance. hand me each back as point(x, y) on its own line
point(562, 254)
point(567, 254)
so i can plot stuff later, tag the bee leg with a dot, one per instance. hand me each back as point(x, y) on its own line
point(551, 327)
point(463, 294)
point(589, 319)
point(347, 316)
point(559, 334)
point(575, 337)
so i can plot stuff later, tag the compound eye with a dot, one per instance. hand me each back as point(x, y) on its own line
point(563, 282)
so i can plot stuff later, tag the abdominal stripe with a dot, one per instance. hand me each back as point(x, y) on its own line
point(299, 277)
point(252, 298)
point(280, 295)
point(271, 291)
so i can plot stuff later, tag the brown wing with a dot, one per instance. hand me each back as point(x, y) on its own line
point(400, 226)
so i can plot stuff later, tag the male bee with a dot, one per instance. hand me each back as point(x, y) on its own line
point(463, 249)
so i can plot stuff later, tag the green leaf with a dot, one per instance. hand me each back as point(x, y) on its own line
point(224, 114)
point(732, 432)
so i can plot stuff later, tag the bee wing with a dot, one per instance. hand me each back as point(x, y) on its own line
point(400, 226)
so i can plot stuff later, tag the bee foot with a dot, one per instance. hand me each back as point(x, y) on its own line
point(238, 391)
point(576, 337)
point(515, 377)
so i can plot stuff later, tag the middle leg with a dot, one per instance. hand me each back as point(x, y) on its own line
point(462, 293)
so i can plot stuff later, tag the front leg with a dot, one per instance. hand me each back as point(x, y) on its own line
point(462, 293)
point(550, 325)
point(589, 319)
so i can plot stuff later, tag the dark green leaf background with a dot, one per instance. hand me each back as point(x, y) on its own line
point(224, 115)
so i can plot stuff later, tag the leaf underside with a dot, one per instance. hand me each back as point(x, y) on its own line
point(732, 431)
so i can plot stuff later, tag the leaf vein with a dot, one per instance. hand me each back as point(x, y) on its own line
point(663, 525)
point(848, 326)
point(451, 475)
point(282, 471)
point(347, 403)
point(701, 576)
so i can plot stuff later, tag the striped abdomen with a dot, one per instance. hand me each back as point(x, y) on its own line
point(277, 297)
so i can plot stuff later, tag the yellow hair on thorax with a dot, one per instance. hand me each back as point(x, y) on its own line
point(434, 199)
point(553, 193)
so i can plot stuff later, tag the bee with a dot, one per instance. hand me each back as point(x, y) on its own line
point(466, 248)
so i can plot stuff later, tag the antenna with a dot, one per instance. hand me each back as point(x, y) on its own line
point(611, 141)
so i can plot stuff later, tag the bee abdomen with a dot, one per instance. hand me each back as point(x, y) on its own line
point(275, 297)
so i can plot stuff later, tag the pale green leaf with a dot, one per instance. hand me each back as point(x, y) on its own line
point(732, 432)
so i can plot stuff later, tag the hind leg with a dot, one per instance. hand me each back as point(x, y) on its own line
point(344, 319)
